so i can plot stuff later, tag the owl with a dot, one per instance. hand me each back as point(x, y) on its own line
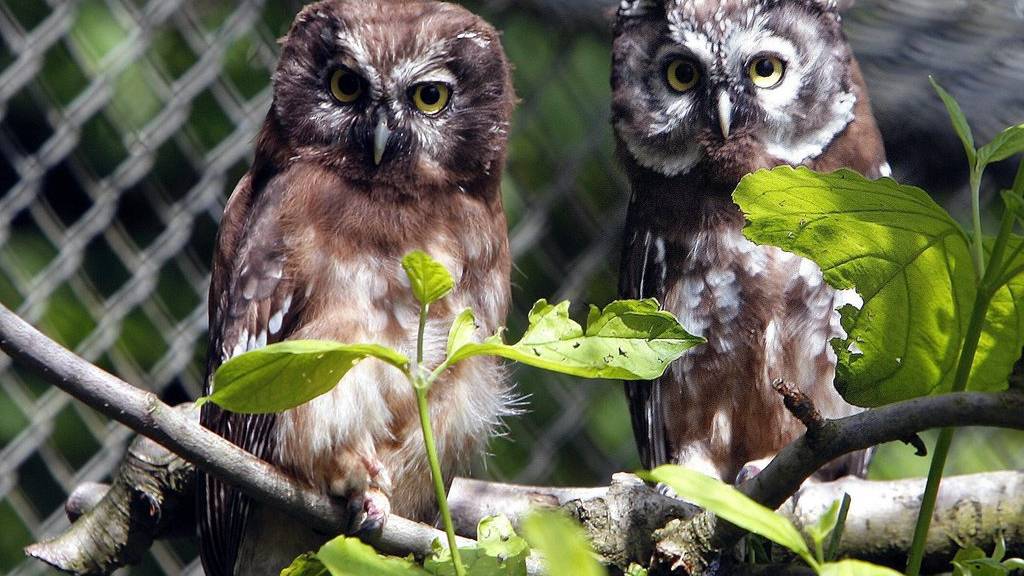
point(386, 134)
point(705, 92)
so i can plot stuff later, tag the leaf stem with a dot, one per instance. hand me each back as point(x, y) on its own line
point(424, 309)
point(977, 242)
point(435, 472)
point(421, 384)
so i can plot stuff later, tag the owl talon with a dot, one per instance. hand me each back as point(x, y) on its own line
point(375, 512)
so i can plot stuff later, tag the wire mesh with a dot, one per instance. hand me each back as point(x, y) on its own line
point(124, 125)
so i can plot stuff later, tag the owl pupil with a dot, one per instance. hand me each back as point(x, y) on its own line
point(685, 73)
point(348, 84)
point(764, 68)
point(430, 95)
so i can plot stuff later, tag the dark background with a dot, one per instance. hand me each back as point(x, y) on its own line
point(125, 123)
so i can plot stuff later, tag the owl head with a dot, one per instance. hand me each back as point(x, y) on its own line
point(726, 87)
point(393, 93)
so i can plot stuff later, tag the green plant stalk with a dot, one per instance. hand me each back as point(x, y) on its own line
point(422, 387)
point(986, 290)
point(837, 534)
point(977, 243)
point(435, 472)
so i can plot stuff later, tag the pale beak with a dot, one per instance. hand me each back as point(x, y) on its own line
point(381, 136)
point(724, 113)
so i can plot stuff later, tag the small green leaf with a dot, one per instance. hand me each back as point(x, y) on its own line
point(349, 557)
point(305, 565)
point(730, 504)
point(636, 570)
point(1014, 203)
point(430, 280)
point(825, 525)
point(1008, 143)
point(288, 374)
point(908, 259)
point(462, 330)
point(562, 543)
point(1014, 563)
point(498, 552)
point(963, 129)
point(628, 340)
point(855, 568)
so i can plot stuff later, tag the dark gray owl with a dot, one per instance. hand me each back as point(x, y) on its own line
point(386, 135)
point(705, 92)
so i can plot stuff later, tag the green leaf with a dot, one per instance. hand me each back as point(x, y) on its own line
point(825, 525)
point(305, 565)
point(562, 543)
point(1014, 563)
point(855, 568)
point(908, 259)
point(1014, 203)
point(1008, 143)
point(1003, 334)
point(288, 374)
point(730, 504)
point(636, 570)
point(349, 557)
point(963, 129)
point(430, 280)
point(628, 340)
point(499, 552)
point(462, 330)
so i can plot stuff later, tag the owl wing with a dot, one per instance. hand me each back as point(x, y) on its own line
point(642, 275)
point(252, 303)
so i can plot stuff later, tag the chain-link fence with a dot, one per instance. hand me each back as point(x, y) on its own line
point(125, 124)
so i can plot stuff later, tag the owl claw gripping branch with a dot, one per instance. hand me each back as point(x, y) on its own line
point(386, 135)
point(704, 93)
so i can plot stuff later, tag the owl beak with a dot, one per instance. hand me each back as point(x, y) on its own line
point(724, 113)
point(381, 136)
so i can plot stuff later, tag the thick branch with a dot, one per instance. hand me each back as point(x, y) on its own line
point(691, 544)
point(636, 511)
point(147, 415)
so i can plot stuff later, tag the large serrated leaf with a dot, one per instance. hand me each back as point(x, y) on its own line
point(288, 374)
point(628, 340)
point(910, 263)
point(730, 504)
point(498, 552)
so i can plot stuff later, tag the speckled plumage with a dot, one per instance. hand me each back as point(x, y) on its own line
point(766, 313)
point(310, 247)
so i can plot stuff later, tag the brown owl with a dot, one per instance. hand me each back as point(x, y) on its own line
point(705, 92)
point(387, 134)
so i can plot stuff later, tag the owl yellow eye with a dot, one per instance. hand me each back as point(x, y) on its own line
point(766, 71)
point(430, 97)
point(346, 86)
point(683, 74)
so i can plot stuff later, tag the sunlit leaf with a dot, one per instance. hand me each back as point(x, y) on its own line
point(963, 129)
point(498, 552)
point(430, 280)
point(855, 568)
point(305, 565)
point(345, 556)
point(730, 504)
point(462, 330)
point(908, 259)
point(562, 543)
point(628, 340)
point(1008, 143)
point(288, 374)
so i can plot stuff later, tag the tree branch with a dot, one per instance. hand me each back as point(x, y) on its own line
point(635, 510)
point(146, 414)
point(690, 545)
